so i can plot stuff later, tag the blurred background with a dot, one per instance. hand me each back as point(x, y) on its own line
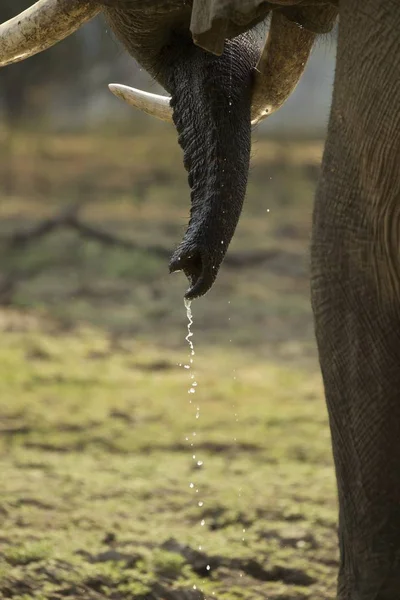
point(93, 200)
point(72, 151)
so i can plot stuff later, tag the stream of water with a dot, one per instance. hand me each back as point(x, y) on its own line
point(192, 390)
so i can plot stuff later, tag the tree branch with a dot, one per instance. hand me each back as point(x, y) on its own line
point(107, 238)
point(69, 218)
point(21, 238)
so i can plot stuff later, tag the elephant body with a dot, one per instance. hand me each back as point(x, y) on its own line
point(355, 284)
point(215, 83)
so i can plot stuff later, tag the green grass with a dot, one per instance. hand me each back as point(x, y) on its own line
point(100, 496)
point(100, 493)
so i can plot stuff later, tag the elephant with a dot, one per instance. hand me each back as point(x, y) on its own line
point(224, 72)
point(214, 97)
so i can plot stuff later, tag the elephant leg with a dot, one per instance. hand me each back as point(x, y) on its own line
point(356, 295)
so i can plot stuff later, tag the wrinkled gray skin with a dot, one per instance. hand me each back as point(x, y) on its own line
point(355, 270)
point(356, 295)
point(355, 277)
point(211, 97)
point(355, 282)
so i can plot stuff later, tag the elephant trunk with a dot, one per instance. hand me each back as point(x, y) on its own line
point(211, 100)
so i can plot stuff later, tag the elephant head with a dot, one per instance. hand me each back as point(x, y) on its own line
point(214, 98)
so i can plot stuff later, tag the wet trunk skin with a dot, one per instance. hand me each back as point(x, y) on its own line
point(212, 104)
point(356, 295)
point(211, 97)
point(213, 127)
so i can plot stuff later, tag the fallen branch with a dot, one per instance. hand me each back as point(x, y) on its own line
point(107, 238)
point(21, 238)
point(69, 218)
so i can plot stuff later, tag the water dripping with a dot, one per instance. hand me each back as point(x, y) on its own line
point(230, 82)
point(188, 306)
point(198, 464)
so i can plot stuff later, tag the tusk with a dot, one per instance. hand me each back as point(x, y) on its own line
point(152, 104)
point(281, 65)
point(279, 69)
point(41, 26)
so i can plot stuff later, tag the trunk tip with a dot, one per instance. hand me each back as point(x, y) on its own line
point(197, 268)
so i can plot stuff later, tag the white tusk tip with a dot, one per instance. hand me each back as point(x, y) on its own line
point(152, 104)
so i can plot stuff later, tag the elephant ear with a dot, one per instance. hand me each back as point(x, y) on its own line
point(213, 21)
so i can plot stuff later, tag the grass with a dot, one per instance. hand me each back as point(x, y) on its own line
point(100, 491)
point(115, 481)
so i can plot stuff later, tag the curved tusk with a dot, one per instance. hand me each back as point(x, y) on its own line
point(152, 104)
point(41, 26)
point(279, 69)
point(281, 65)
